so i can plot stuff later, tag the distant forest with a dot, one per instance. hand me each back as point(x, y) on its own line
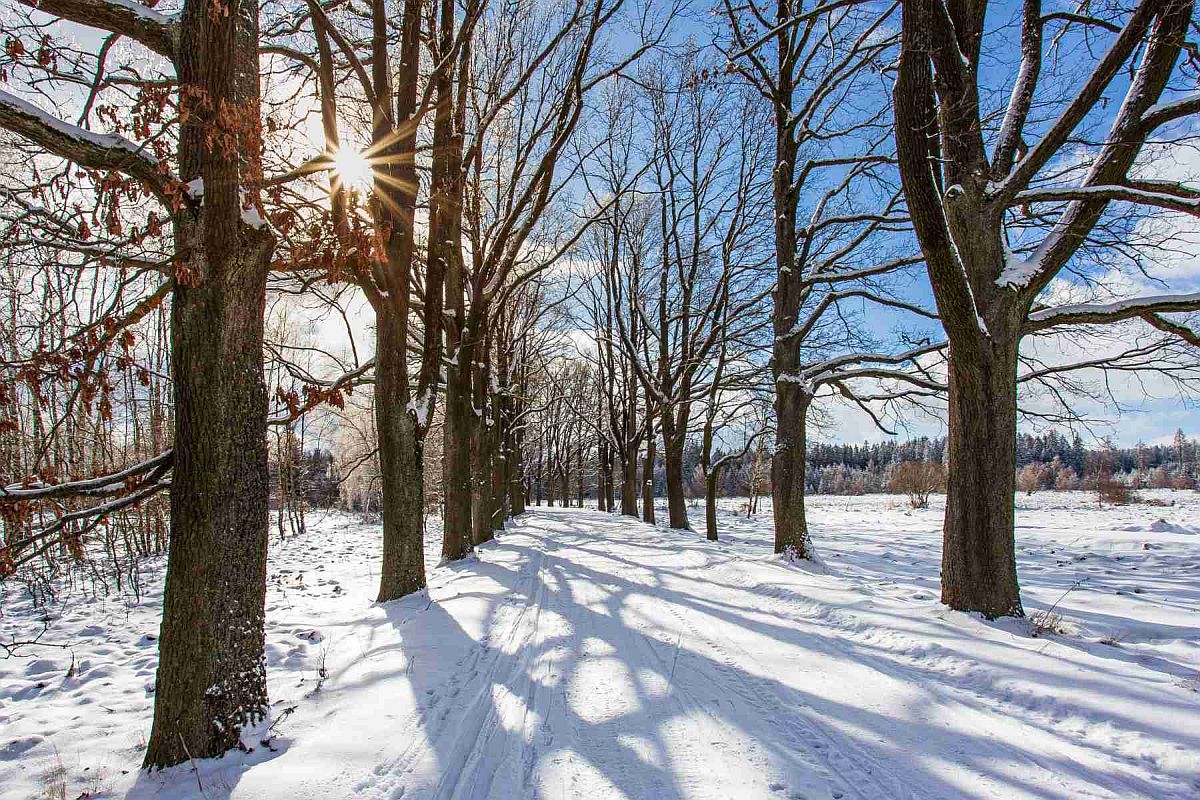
point(1050, 460)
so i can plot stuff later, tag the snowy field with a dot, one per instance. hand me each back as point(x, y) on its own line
point(585, 655)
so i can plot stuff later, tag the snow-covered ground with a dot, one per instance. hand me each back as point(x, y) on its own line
point(586, 655)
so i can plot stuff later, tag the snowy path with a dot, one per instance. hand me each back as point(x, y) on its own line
point(586, 655)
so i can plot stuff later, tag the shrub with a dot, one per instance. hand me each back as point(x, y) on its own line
point(1112, 491)
point(918, 481)
point(1160, 479)
point(1066, 479)
point(1029, 478)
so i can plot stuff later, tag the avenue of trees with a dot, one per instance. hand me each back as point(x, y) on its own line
point(466, 257)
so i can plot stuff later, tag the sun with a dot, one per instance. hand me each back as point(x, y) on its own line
point(353, 168)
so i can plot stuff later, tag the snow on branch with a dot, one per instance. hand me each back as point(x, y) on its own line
point(144, 25)
point(1104, 313)
point(91, 487)
point(16, 552)
point(104, 151)
point(1162, 113)
point(1173, 198)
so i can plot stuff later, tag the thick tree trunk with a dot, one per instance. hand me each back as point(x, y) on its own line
point(211, 674)
point(211, 678)
point(979, 568)
point(499, 473)
point(539, 479)
point(788, 471)
point(400, 463)
point(601, 489)
point(677, 516)
point(610, 494)
point(456, 458)
point(629, 484)
point(481, 482)
point(579, 478)
point(515, 468)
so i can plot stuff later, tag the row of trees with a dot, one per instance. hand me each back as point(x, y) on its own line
point(577, 235)
point(1008, 182)
point(183, 177)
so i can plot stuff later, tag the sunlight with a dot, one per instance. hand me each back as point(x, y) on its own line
point(353, 168)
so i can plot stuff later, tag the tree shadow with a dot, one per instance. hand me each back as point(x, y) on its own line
point(584, 654)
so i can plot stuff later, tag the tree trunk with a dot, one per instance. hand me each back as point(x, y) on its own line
point(610, 495)
point(710, 504)
point(579, 478)
point(515, 466)
point(499, 472)
point(211, 674)
point(401, 465)
point(788, 471)
point(481, 478)
point(539, 475)
point(456, 456)
point(648, 482)
point(677, 516)
point(211, 678)
point(979, 568)
point(601, 489)
point(566, 481)
point(629, 484)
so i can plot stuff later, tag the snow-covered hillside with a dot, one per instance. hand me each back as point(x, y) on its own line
point(586, 655)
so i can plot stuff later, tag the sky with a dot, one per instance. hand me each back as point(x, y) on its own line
point(1141, 419)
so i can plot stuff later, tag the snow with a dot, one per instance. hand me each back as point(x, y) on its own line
point(1017, 272)
point(108, 141)
point(1172, 106)
point(252, 217)
point(250, 213)
point(587, 655)
point(144, 12)
point(1114, 308)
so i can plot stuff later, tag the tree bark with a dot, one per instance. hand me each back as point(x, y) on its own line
point(446, 198)
point(710, 504)
point(211, 675)
point(629, 472)
point(401, 465)
point(979, 567)
point(499, 487)
point(211, 678)
point(673, 441)
point(400, 437)
point(788, 471)
point(481, 451)
point(514, 462)
point(648, 478)
point(456, 456)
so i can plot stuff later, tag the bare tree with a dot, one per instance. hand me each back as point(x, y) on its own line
point(1001, 211)
point(828, 108)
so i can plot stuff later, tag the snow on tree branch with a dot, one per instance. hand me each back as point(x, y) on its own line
point(1103, 313)
point(106, 151)
point(156, 31)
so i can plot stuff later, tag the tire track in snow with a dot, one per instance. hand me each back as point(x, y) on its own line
point(858, 772)
point(447, 721)
point(965, 681)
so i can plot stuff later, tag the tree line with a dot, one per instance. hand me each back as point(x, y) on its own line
point(559, 242)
